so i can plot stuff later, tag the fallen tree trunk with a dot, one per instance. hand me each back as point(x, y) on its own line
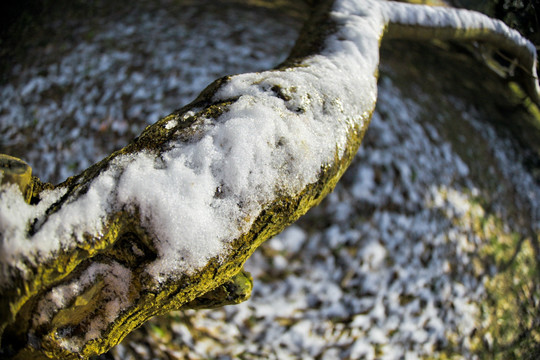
point(168, 221)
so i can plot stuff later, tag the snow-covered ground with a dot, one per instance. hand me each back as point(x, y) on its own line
point(61, 114)
point(384, 268)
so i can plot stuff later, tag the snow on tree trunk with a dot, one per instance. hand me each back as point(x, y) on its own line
point(168, 221)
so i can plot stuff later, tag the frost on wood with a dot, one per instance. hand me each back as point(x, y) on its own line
point(168, 221)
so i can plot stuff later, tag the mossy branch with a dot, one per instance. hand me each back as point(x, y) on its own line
point(75, 288)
